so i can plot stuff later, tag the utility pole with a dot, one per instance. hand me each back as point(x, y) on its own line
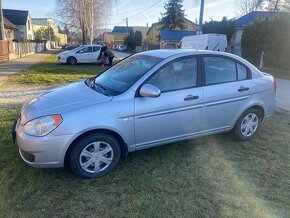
point(49, 36)
point(2, 33)
point(92, 22)
point(201, 16)
point(127, 25)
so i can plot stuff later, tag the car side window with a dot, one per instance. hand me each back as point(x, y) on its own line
point(180, 74)
point(85, 50)
point(96, 48)
point(219, 70)
point(242, 72)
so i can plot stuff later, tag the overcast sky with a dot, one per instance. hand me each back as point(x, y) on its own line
point(139, 12)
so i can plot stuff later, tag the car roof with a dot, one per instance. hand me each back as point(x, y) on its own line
point(165, 53)
point(90, 45)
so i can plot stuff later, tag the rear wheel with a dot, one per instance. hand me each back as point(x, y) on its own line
point(72, 61)
point(95, 156)
point(248, 124)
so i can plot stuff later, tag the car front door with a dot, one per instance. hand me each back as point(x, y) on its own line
point(176, 113)
point(84, 55)
point(227, 87)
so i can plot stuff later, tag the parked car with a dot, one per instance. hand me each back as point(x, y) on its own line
point(122, 48)
point(84, 54)
point(213, 42)
point(115, 47)
point(149, 99)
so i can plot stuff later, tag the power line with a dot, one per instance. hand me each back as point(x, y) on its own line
point(140, 13)
point(145, 9)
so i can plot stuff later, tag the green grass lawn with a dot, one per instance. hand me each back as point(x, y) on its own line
point(212, 176)
point(49, 72)
point(281, 74)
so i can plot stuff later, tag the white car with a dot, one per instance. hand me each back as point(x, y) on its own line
point(121, 48)
point(83, 54)
point(213, 42)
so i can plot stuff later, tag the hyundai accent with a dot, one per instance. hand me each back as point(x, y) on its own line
point(148, 99)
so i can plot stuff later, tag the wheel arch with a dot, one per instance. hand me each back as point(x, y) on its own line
point(260, 109)
point(123, 145)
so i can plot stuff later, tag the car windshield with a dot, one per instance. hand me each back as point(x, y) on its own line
point(123, 75)
point(77, 48)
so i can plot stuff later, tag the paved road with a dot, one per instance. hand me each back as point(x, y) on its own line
point(121, 55)
point(12, 67)
point(283, 94)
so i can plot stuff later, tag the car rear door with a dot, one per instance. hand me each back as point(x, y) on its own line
point(227, 88)
point(96, 53)
point(176, 113)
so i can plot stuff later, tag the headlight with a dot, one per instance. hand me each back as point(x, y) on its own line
point(43, 125)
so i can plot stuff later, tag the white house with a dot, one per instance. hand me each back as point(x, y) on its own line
point(22, 20)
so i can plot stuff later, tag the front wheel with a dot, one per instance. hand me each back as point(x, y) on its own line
point(71, 61)
point(247, 125)
point(95, 156)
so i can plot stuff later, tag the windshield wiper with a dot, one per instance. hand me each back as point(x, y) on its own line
point(96, 86)
point(101, 87)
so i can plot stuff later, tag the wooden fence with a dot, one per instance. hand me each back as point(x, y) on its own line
point(4, 51)
point(10, 50)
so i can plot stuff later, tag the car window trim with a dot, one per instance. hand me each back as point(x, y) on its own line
point(198, 82)
point(249, 74)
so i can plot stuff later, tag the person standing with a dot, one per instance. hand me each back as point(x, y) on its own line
point(108, 53)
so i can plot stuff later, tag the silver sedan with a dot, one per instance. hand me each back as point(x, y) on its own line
point(151, 98)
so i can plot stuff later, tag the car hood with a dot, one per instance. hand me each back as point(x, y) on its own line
point(60, 100)
point(64, 53)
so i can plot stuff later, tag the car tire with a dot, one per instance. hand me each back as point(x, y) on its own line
point(95, 156)
point(71, 61)
point(247, 125)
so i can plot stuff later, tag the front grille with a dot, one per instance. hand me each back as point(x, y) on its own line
point(27, 156)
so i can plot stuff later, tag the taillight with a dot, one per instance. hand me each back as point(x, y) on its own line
point(206, 48)
point(275, 85)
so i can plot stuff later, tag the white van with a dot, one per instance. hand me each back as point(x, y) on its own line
point(214, 42)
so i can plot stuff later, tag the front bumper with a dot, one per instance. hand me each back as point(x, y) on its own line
point(42, 152)
point(61, 59)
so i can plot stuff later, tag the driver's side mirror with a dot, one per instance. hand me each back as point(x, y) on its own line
point(148, 90)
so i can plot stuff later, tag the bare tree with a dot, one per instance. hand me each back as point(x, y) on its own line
point(246, 6)
point(83, 15)
point(278, 5)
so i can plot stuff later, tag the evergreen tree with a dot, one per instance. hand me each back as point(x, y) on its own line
point(130, 40)
point(173, 18)
point(138, 38)
point(224, 26)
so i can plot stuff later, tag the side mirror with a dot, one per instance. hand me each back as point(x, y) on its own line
point(148, 90)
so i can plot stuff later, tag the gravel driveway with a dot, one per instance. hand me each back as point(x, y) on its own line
point(15, 96)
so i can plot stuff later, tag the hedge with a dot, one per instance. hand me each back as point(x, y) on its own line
point(271, 35)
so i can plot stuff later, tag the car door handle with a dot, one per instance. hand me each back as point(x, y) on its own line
point(191, 97)
point(243, 88)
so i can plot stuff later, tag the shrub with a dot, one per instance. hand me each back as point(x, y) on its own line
point(271, 35)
